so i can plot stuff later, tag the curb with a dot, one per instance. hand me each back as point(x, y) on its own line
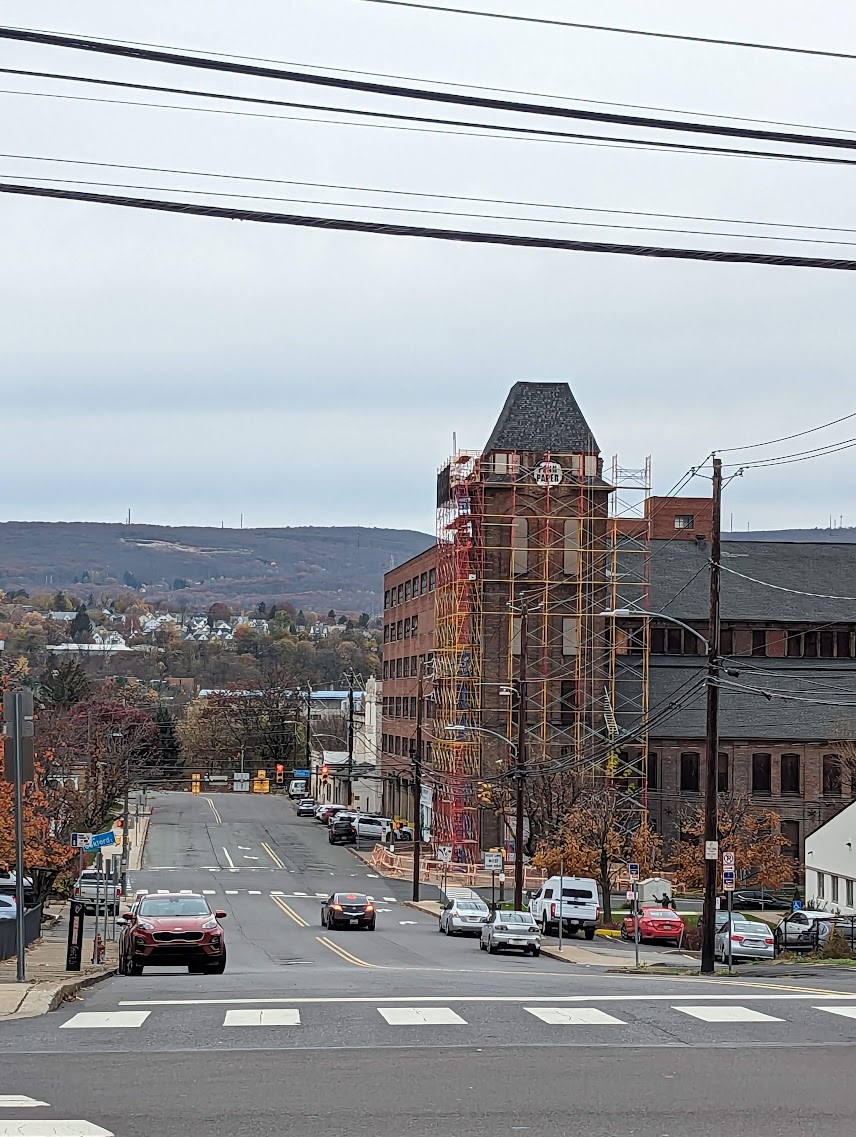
point(41, 999)
point(140, 851)
point(421, 906)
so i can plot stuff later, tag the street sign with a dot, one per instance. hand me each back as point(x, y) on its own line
point(444, 854)
point(633, 871)
point(728, 860)
point(101, 840)
point(797, 905)
point(629, 894)
point(502, 878)
point(493, 862)
point(74, 947)
point(728, 880)
point(711, 850)
point(302, 773)
point(81, 840)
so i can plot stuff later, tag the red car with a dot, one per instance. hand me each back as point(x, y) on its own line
point(171, 930)
point(655, 923)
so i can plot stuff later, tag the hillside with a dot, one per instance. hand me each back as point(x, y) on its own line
point(836, 536)
point(316, 568)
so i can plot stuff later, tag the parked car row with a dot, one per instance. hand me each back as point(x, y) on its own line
point(346, 826)
point(497, 931)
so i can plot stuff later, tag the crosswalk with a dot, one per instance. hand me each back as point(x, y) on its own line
point(42, 1127)
point(715, 1014)
point(249, 892)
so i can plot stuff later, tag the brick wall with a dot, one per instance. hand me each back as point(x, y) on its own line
point(663, 512)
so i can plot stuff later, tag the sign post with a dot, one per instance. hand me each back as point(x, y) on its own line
point(493, 862)
point(633, 873)
point(728, 887)
point(18, 729)
point(444, 856)
point(74, 950)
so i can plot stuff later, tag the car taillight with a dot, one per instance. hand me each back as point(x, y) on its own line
point(737, 939)
point(76, 891)
point(370, 908)
point(553, 910)
point(336, 907)
point(597, 913)
point(118, 890)
point(768, 940)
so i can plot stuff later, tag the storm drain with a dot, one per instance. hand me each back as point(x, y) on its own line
point(291, 962)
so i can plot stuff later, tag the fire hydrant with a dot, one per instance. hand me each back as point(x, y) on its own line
point(98, 950)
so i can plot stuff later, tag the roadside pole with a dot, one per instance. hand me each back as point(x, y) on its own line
point(18, 768)
point(728, 885)
point(95, 933)
point(350, 678)
point(417, 788)
point(561, 896)
point(493, 892)
point(125, 811)
point(633, 873)
point(521, 759)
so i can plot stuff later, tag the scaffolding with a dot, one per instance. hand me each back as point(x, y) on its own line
point(550, 529)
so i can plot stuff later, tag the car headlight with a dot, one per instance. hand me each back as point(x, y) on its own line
point(209, 924)
point(145, 926)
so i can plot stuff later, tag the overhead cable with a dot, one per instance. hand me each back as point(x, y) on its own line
point(182, 59)
point(616, 30)
point(781, 588)
point(785, 437)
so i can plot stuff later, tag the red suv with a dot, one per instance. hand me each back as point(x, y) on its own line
point(170, 930)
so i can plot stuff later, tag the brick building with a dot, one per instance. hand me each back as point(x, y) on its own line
point(408, 644)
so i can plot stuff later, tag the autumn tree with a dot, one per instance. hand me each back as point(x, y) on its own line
point(63, 683)
point(752, 834)
point(80, 628)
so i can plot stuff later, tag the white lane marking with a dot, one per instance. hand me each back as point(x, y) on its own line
point(185, 892)
point(277, 893)
point(266, 1016)
point(369, 898)
point(163, 892)
point(846, 1012)
point(390, 900)
point(573, 1016)
point(231, 892)
point(18, 1101)
point(323, 895)
point(301, 894)
point(253, 892)
point(249, 858)
point(728, 1015)
point(232, 869)
point(404, 921)
point(384, 909)
point(421, 1016)
point(90, 1020)
point(52, 1129)
point(245, 848)
point(228, 858)
point(209, 891)
point(478, 999)
point(373, 875)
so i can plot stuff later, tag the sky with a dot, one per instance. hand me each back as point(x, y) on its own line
point(195, 370)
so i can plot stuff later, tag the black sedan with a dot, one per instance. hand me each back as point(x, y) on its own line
point(348, 910)
point(342, 832)
point(760, 898)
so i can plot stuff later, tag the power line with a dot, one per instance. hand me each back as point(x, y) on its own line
point(182, 59)
point(464, 197)
point(798, 456)
point(787, 437)
point(544, 20)
point(519, 240)
point(432, 212)
point(781, 588)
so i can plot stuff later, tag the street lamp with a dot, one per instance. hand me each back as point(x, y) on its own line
point(625, 613)
point(462, 728)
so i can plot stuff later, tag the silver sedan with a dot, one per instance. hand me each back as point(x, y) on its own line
point(460, 917)
point(511, 930)
point(750, 939)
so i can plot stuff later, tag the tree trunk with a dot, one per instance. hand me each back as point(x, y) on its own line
point(604, 884)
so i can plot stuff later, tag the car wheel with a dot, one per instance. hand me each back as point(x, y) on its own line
point(545, 925)
point(536, 951)
point(331, 923)
point(122, 968)
point(193, 970)
point(482, 945)
point(219, 967)
point(624, 934)
point(135, 968)
point(589, 933)
point(371, 926)
point(492, 949)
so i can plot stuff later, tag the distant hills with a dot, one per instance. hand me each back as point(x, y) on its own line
point(317, 568)
point(836, 536)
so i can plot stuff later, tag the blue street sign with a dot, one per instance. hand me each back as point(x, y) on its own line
point(81, 840)
point(301, 773)
point(633, 871)
point(99, 840)
point(797, 905)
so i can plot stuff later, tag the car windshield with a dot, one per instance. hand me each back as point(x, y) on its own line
point(471, 906)
point(170, 906)
point(659, 914)
point(515, 918)
point(577, 894)
point(747, 928)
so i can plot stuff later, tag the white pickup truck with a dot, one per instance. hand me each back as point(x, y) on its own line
point(93, 888)
point(577, 907)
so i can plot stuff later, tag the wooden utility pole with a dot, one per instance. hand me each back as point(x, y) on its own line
point(520, 771)
point(711, 829)
point(417, 785)
point(350, 797)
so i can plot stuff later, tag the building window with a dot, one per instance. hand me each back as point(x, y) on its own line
point(401, 594)
point(848, 892)
point(414, 587)
point(689, 772)
point(658, 641)
point(842, 644)
point(653, 770)
point(519, 546)
point(791, 834)
point(414, 625)
point(834, 896)
point(794, 648)
point(831, 775)
point(722, 773)
point(405, 667)
point(406, 591)
point(810, 643)
point(386, 599)
point(423, 584)
point(386, 669)
point(413, 706)
point(827, 644)
point(571, 565)
point(432, 579)
point(397, 745)
point(500, 463)
point(383, 743)
point(399, 668)
point(726, 641)
point(762, 782)
point(759, 642)
point(398, 706)
point(674, 641)
point(413, 670)
point(568, 701)
point(790, 773)
point(570, 635)
point(684, 520)
point(398, 630)
point(821, 885)
point(386, 633)
point(407, 627)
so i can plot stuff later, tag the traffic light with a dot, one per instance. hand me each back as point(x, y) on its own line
point(325, 773)
point(119, 823)
point(279, 773)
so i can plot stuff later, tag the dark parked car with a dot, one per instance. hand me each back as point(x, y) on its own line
point(172, 931)
point(348, 909)
point(342, 832)
point(760, 898)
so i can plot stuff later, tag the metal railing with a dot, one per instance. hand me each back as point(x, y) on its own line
point(8, 930)
point(794, 936)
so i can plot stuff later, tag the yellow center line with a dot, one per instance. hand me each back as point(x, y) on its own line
point(295, 916)
point(272, 855)
point(747, 982)
point(346, 955)
point(214, 811)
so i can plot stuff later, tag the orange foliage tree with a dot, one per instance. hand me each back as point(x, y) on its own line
point(752, 834)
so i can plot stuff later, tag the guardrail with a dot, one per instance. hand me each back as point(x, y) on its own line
point(9, 928)
point(433, 871)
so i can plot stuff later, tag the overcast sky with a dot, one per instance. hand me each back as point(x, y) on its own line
point(196, 369)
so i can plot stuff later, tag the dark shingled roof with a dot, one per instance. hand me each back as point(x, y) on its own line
point(543, 417)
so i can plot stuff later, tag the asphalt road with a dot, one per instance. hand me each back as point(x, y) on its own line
point(402, 1030)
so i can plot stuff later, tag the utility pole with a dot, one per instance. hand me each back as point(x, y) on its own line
point(521, 758)
point(125, 812)
point(711, 864)
point(18, 731)
point(350, 678)
point(308, 747)
point(417, 785)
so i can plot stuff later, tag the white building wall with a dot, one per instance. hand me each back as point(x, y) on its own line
point(830, 863)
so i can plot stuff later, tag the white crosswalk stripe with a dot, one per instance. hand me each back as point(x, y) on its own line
point(574, 1016)
point(97, 1020)
point(421, 1016)
point(18, 1101)
point(266, 1016)
point(52, 1129)
point(723, 1014)
point(845, 1012)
